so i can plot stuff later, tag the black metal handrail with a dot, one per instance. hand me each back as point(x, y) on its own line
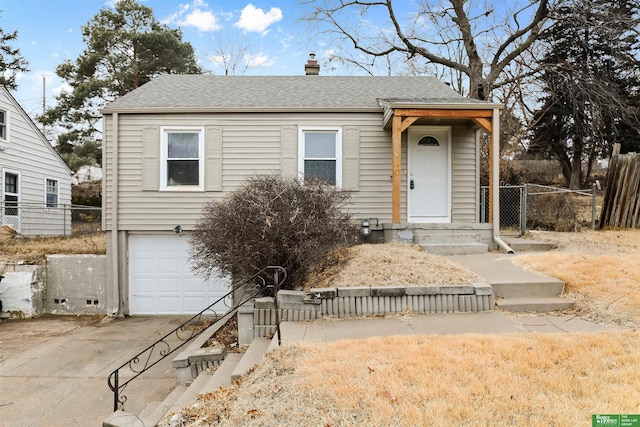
point(161, 349)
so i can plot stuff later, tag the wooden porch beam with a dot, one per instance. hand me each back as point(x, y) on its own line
point(407, 122)
point(396, 166)
point(483, 123)
point(444, 114)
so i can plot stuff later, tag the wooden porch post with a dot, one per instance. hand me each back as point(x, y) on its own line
point(396, 166)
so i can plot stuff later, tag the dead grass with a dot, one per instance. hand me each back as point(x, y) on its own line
point(388, 265)
point(465, 380)
point(34, 249)
point(600, 269)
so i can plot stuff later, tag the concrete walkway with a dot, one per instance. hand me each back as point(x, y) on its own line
point(434, 324)
point(497, 268)
point(62, 379)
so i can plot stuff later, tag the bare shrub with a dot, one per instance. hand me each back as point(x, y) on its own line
point(272, 220)
point(553, 212)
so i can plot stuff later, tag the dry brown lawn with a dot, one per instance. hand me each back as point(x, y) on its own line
point(601, 270)
point(465, 380)
point(34, 249)
point(388, 265)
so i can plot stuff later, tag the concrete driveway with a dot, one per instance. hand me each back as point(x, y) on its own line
point(53, 370)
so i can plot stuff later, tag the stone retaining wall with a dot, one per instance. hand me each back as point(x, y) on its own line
point(259, 320)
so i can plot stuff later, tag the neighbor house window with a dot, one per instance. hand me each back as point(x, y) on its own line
point(51, 191)
point(11, 195)
point(320, 154)
point(182, 158)
point(3, 125)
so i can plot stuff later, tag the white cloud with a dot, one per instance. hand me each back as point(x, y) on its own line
point(254, 19)
point(196, 14)
point(258, 60)
point(203, 20)
point(64, 87)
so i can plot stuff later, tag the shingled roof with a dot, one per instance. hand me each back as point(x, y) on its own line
point(184, 93)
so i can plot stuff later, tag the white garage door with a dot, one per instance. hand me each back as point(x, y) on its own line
point(161, 280)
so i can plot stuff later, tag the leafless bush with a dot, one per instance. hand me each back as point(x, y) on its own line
point(553, 212)
point(272, 220)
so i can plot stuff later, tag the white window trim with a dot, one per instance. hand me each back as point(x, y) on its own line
point(164, 130)
point(4, 176)
point(46, 204)
point(6, 125)
point(301, 157)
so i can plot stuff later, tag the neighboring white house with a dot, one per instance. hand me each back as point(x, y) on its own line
point(87, 173)
point(406, 148)
point(34, 180)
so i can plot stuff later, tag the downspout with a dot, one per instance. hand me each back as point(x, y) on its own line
point(115, 264)
point(495, 180)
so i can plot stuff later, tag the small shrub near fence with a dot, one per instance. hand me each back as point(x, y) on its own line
point(38, 219)
point(541, 207)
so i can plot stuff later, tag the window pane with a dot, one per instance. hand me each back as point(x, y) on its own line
point(10, 183)
point(52, 193)
point(324, 170)
point(182, 145)
point(2, 117)
point(320, 145)
point(182, 172)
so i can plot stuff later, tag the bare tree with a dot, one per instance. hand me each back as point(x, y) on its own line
point(235, 57)
point(466, 42)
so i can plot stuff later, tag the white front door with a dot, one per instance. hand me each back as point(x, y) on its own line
point(161, 280)
point(429, 174)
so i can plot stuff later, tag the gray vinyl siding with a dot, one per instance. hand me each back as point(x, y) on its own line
point(262, 143)
point(251, 144)
point(464, 176)
point(26, 151)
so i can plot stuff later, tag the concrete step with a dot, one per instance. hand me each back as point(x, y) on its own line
point(153, 414)
point(533, 304)
point(455, 248)
point(533, 289)
point(520, 244)
point(192, 392)
point(429, 237)
point(222, 376)
point(251, 358)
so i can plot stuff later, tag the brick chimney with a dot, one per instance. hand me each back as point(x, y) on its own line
point(312, 68)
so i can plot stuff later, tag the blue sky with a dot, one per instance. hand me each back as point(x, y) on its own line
point(49, 32)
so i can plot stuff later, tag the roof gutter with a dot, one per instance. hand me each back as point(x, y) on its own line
point(495, 182)
point(189, 110)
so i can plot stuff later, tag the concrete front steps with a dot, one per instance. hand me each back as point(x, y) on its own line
point(441, 243)
point(516, 289)
point(234, 366)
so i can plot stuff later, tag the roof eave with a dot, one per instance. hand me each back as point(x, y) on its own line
point(390, 106)
point(191, 110)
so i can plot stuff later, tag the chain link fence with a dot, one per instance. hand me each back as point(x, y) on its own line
point(40, 219)
point(512, 214)
point(542, 207)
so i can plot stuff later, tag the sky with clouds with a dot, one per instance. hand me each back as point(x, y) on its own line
point(276, 40)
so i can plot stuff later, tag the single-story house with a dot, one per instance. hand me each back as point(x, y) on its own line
point(34, 179)
point(406, 148)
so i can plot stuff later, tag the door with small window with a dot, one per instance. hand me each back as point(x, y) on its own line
point(11, 199)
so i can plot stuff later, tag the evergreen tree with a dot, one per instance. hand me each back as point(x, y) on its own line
point(590, 77)
point(11, 61)
point(125, 48)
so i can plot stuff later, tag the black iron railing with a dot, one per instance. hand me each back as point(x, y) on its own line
point(267, 280)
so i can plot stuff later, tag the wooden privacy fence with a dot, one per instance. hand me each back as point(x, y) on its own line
point(621, 207)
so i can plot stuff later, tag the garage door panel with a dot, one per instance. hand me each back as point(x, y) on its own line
point(161, 280)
